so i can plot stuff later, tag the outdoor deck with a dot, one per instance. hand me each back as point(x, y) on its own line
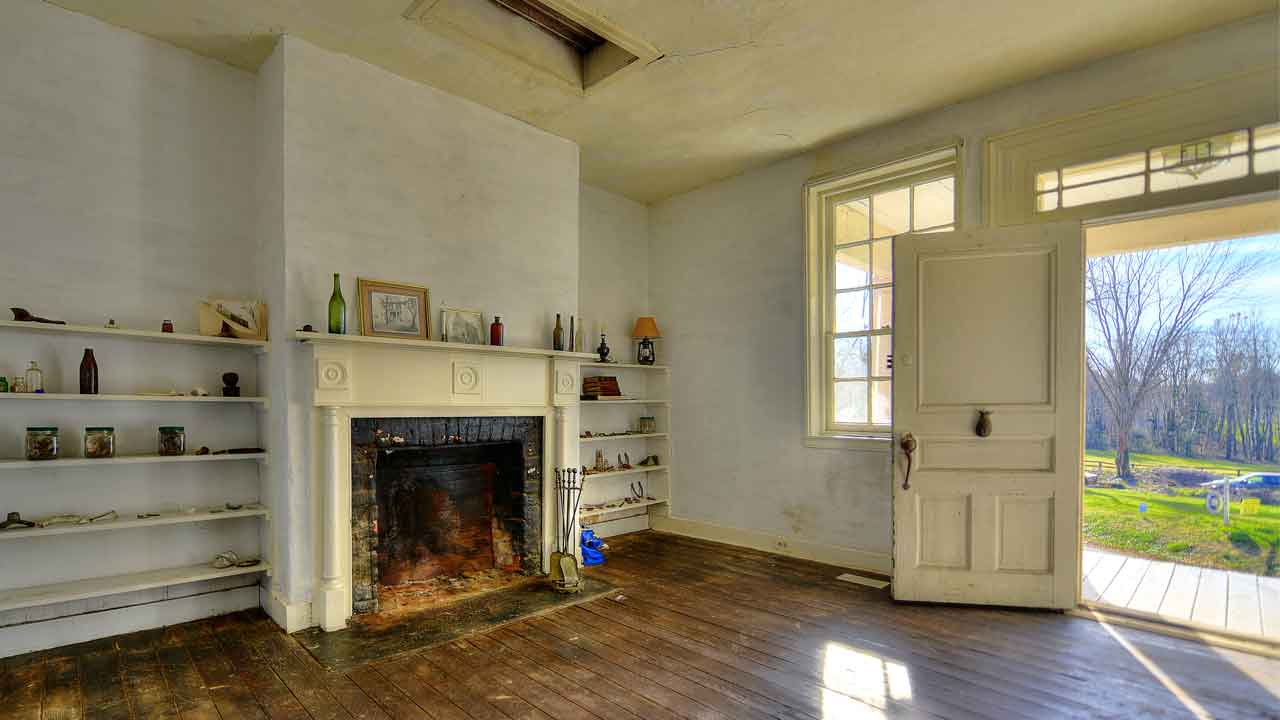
point(1219, 599)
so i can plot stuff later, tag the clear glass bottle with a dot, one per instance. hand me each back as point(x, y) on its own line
point(99, 442)
point(35, 378)
point(42, 443)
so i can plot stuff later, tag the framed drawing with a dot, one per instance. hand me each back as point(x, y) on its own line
point(462, 326)
point(393, 310)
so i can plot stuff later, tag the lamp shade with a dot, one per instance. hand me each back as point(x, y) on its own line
point(646, 327)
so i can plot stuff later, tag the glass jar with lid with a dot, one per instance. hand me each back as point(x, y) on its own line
point(173, 440)
point(42, 443)
point(35, 378)
point(99, 442)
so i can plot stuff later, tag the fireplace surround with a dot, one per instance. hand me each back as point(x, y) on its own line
point(443, 498)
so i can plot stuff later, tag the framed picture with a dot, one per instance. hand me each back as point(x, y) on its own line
point(393, 310)
point(462, 326)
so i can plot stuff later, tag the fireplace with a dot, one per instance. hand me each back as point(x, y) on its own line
point(443, 507)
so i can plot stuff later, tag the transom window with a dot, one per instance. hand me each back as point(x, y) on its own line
point(1227, 156)
point(853, 222)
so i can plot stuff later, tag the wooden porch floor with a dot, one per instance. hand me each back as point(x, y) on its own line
point(1217, 599)
point(697, 631)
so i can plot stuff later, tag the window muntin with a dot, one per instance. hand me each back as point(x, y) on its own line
point(1226, 156)
point(860, 291)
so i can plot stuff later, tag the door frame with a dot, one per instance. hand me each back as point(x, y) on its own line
point(1089, 609)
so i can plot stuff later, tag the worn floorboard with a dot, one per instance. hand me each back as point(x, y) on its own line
point(693, 631)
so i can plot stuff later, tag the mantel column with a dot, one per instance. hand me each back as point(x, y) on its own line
point(331, 602)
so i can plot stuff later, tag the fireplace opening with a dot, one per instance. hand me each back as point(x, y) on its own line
point(443, 508)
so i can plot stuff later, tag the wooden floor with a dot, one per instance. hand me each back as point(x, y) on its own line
point(696, 631)
point(1217, 599)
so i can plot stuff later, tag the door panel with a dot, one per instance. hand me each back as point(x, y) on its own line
point(990, 319)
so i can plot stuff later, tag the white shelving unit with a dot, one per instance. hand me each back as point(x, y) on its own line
point(652, 386)
point(134, 409)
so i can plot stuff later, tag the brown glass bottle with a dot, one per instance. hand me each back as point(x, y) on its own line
point(88, 373)
point(557, 337)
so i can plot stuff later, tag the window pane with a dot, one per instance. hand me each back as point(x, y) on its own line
point(1104, 169)
point(1126, 187)
point(882, 261)
point(891, 213)
point(1193, 153)
point(1266, 136)
point(852, 311)
point(851, 266)
point(851, 357)
point(882, 309)
point(1047, 181)
point(1214, 170)
point(881, 402)
point(1266, 162)
point(853, 221)
point(851, 402)
point(1047, 202)
point(881, 350)
point(934, 203)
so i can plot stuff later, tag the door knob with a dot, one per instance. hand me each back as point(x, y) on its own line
point(908, 445)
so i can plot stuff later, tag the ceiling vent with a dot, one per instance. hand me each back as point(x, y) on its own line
point(553, 39)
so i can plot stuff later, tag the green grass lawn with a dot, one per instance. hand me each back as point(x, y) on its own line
point(1179, 529)
point(1108, 458)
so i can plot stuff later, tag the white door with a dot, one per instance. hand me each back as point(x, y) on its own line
point(989, 319)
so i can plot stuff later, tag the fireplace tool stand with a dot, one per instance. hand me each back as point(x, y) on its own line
point(565, 576)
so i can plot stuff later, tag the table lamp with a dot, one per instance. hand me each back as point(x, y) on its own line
point(646, 329)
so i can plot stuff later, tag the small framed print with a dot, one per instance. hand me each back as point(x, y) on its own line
point(393, 310)
point(462, 326)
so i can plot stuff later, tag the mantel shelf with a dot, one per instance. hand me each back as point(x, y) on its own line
point(584, 403)
point(139, 335)
point(17, 464)
point(627, 436)
point(131, 523)
point(36, 595)
point(355, 340)
point(73, 397)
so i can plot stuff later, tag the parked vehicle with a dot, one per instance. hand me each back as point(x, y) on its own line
point(1238, 485)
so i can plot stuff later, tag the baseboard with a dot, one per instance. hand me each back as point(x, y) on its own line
point(291, 617)
point(854, 559)
point(71, 629)
point(621, 526)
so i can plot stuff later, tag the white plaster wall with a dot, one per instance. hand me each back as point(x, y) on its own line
point(123, 195)
point(387, 179)
point(726, 279)
point(613, 268)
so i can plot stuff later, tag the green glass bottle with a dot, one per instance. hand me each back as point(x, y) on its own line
point(337, 309)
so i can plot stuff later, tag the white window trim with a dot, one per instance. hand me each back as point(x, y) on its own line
point(818, 197)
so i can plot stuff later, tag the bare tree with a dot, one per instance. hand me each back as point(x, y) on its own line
point(1141, 305)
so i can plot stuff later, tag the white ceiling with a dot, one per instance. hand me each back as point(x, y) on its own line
point(742, 83)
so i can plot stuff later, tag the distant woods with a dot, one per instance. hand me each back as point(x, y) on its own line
point(1161, 376)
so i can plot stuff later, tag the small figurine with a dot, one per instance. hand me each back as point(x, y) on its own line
point(111, 324)
point(603, 349)
point(230, 384)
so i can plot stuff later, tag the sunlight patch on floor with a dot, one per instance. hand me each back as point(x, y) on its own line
point(858, 684)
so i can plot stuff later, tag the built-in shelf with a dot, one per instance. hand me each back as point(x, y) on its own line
point(632, 471)
point(626, 402)
point(140, 335)
point(587, 515)
point(629, 436)
point(127, 522)
point(436, 345)
point(129, 398)
point(628, 366)
point(127, 460)
point(37, 595)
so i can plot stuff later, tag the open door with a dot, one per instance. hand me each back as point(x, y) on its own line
point(988, 320)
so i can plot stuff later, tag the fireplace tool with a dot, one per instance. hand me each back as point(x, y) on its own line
point(564, 561)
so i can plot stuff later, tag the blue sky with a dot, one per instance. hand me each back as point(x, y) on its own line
point(1262, 294)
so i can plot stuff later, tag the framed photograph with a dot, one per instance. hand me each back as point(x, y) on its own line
point(393, 310)
point(462, 326)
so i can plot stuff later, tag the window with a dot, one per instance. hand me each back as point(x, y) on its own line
point(852, 223)
point(1227, 156)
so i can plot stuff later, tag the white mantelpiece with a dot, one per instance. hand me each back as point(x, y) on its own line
point(357, 377)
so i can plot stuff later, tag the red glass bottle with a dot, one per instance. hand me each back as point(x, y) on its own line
point(495, 331)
